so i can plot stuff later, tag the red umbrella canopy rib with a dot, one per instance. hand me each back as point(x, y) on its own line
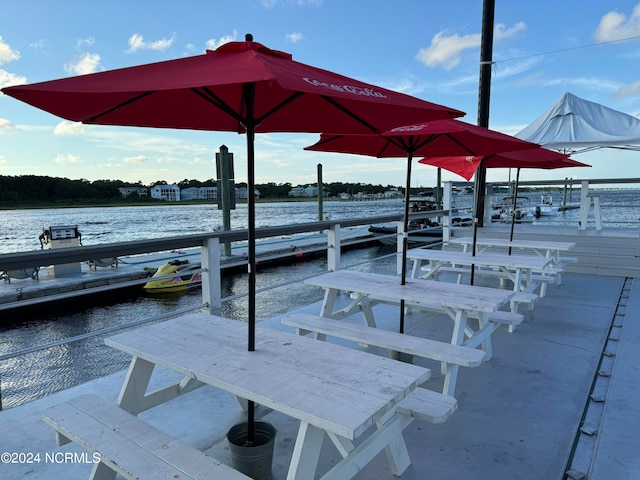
point(209, 92)
point(536, 158)
point(445, 137)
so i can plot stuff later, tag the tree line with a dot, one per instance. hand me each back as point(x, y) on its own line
point(34, 189)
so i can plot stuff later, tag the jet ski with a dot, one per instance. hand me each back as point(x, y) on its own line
point(184, 276)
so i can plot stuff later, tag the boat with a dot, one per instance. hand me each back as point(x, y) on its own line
point(387, 235)
point(545, 208)
point(185, 276)
point(461, 218)
point(502, 205)
point(518, 214)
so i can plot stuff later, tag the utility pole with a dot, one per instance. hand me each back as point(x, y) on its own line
point(484, 96)
point(226, 190)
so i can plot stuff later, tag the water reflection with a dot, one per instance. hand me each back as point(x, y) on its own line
point(37, 374)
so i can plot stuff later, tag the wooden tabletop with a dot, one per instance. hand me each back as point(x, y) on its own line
point(489, 259)
point(517, 243)
point(415, 291)
point(337, 389)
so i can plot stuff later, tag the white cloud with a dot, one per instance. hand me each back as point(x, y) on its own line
point(64, 159)
point(5, 124)
point(138, 159)
point(84, 64)
point(166, 160)
point(293, 37)
point(615, 26)
point(296, 3)
point(7, 54)
point(38, 44)
point(446, 50)
point(9, 79)
point(630, 90)
point(212, 44)
point(82, 43)
point(137, 42)
point(68, 128)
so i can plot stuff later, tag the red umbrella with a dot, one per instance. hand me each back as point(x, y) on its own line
point(534, 158)
point(436, 138)
point(241, 87)
point(537, 158)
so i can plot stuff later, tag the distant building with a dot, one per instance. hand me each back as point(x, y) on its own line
point(241, 193)
point(309, 191)
point(169, 193)
point(199, 193)
point(393, 193)
point(140, 191)
point(190, 193)
point(209, 193)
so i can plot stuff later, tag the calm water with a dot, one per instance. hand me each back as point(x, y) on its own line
point(37, 374)
point(34, 375)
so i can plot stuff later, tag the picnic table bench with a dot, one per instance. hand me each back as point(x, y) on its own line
point(458, 301)
point(451, 356)
point(121, 443)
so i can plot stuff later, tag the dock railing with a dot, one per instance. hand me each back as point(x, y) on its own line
point(213, 261)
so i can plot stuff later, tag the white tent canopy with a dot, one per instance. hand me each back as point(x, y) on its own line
point(576, 125)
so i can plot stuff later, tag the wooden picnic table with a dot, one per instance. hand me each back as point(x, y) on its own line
point(520, 269)
point(329, 388)
point(541, 248)
point(456, 300)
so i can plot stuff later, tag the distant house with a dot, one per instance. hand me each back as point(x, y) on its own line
point(309, 191)
point(209, 193)
point(140, 191)
point(393, 193)
point(199, 193)
point(191, 193)
point(241, 193)
point(169, 193)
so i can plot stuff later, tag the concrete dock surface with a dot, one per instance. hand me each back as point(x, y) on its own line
point(520, 414)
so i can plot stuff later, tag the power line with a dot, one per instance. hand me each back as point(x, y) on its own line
point(569, 49)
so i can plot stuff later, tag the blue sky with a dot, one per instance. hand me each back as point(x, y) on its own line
point(427, 49)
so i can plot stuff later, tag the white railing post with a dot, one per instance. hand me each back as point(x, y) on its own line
point(447, 195)
point(584, 205)
point(333, 248)
point(399, 245)
point(211, 285)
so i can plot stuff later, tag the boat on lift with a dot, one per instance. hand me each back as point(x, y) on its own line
point(545, 208)
point(175, 276)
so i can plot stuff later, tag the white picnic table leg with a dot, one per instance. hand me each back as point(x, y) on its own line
point(328, 303)
point(415, 270)
point(396, 450)
point(367, 312)
point(135, 386)
point(306, 452)
point(387, 437)
point(459, 327)
point(483, 321)
point(450, 372)
point(100, 471)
